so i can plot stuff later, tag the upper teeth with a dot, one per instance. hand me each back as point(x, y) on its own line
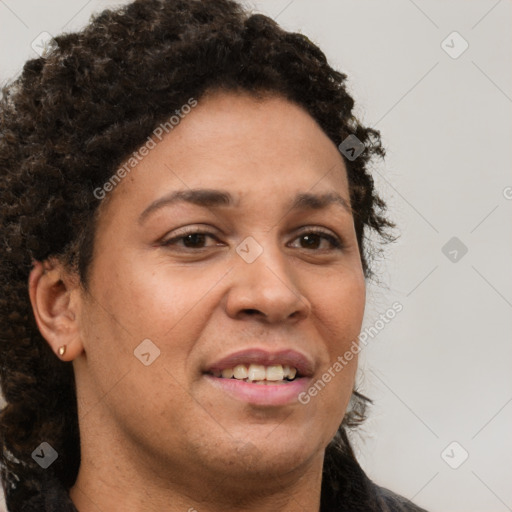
point(256, 372)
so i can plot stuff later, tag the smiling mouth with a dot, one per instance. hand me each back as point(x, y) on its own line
point(259, 374)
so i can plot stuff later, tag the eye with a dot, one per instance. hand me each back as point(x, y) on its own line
point(313, 238)
point(192, 239)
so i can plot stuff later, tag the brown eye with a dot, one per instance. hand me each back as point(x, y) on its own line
point(190, 239)
point(312, 240)
point(193, 240)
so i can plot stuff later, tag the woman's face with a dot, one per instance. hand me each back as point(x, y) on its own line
point(259, 285)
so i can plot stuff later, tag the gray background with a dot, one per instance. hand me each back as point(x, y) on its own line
point(440, 371)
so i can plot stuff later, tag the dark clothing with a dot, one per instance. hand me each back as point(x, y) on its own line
point(347, 489)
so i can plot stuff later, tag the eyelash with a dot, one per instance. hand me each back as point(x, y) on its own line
point(335, 241)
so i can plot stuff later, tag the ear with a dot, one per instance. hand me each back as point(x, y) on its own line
point(55, 298)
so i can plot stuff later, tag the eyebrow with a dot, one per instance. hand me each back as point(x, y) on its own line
point(210, 198)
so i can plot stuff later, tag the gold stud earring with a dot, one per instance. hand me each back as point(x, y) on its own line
point(62, 350)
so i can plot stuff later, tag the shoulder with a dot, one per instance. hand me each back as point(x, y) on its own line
point(347, 488)
point(52, 497)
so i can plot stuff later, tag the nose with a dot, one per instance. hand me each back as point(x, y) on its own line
point(266, 289)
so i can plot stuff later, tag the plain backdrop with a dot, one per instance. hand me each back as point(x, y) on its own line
point(440, 371)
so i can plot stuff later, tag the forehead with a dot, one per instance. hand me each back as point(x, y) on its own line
point(259, 128)
point(234, 141)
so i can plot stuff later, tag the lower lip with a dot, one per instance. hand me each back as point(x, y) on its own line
point(261, 394)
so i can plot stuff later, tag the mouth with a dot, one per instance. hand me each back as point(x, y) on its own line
point(260, 377)
point(259, 374)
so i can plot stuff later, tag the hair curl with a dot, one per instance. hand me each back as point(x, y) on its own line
point(70, 119)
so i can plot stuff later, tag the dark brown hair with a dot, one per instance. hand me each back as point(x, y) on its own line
point(67, 123)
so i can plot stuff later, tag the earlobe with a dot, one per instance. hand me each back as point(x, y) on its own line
point(53, 295)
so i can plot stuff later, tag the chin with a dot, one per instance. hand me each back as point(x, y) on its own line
point(268, 457)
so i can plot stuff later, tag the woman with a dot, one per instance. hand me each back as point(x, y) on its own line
point(185, 191)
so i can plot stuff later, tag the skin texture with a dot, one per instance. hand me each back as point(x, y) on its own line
point(161, 436)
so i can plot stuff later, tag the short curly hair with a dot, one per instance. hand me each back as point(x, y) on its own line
point(71, 118)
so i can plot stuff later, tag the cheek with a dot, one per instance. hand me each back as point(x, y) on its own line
point(166, 304)
point(339, 317)
point(153, 300)
point(340, 310)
